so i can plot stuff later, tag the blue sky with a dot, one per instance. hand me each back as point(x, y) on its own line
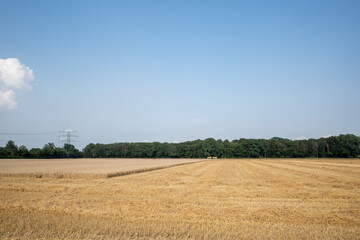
point(129, 71)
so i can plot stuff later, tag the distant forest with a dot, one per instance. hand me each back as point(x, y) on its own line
point(342, 146)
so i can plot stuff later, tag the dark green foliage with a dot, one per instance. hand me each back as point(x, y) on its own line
point(35, 152)
point(3, 153)
point(70, 151)
point(11, 149)
point(48, 151)
point(209, 147)
point(343, 146)
point(23, 152)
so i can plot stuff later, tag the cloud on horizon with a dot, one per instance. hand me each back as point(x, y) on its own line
point(327, 136)
point(301, 138)
point(13, 76)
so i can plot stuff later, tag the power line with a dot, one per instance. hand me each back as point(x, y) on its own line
point(19, 140)
point(27, 138)
point(27, 134)
point(65, 136)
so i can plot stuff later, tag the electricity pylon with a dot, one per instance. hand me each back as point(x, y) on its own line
point(67, 136)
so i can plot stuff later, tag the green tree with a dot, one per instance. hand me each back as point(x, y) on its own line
point(209, 147)
point(23, 152)
point(88, 150)
point(71, 151)
point(35, 153)
point(48, 151)
point(11, 149)
point(173, 152)
point(3, 153)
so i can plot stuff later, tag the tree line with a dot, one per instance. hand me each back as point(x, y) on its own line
point(48, 151)
point(342, 146)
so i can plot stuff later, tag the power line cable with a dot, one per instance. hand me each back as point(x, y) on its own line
point(28, 134)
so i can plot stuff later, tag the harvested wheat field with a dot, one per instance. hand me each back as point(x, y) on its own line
point(219, 199)
point(84, 167)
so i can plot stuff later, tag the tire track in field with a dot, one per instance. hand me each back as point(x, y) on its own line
point(243, 173)
point(299, 185)
point(264, 178)
point(266, 174)
point(312, 170)
point(346, 170)
point(344, 162)
point(308, 181)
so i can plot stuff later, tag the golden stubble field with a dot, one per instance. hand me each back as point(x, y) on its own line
point(84, 167)
point(217, 199)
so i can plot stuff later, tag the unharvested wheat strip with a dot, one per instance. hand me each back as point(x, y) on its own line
point(123, 173)
point(176, 173)
point(85, 165)
point(88, 175)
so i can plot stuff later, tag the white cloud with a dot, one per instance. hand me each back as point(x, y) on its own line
point(7, 99)
point(13, 76)
point(301, 138)
point(327, 136)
